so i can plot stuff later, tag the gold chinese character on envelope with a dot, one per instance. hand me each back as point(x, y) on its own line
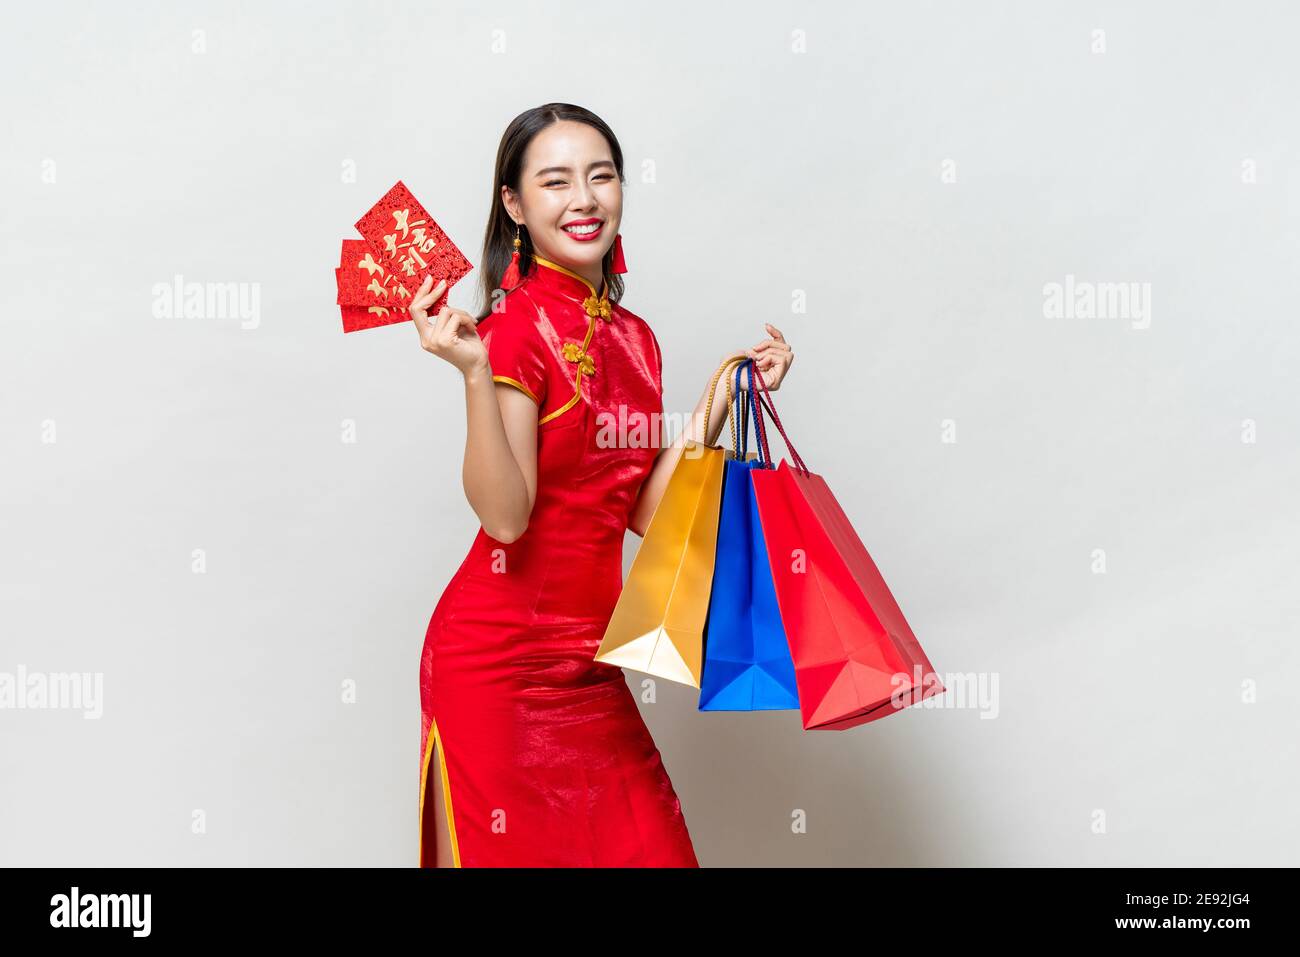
point(402, 245)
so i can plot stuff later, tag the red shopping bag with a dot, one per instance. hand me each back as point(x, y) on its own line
point(855, 656)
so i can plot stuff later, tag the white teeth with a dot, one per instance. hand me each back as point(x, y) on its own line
point(582, 230)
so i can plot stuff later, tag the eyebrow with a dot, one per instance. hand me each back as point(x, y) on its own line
point(569, 169)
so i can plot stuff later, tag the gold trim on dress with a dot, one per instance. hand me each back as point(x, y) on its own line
point(434, 739)
point(575, 353)
point(597, 304)
point(518, 385)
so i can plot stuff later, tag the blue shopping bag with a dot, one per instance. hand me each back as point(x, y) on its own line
point(747, 662)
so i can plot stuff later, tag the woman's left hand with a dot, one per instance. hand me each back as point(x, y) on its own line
point(772, 357)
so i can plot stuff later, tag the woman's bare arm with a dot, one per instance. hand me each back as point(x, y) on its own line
point(500, 470)
point(773, 358)
point(652, 489)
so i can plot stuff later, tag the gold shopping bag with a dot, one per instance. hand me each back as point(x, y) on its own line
point(657, 626)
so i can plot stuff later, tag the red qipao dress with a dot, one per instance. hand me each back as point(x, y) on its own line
point(542, 754)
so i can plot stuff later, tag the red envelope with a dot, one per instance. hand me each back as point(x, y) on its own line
point(362, 281)
point(405, 239)
point(350, 293)
point(362, 317)
point(368, 295)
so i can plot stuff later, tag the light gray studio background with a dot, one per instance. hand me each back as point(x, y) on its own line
point(1090, 519)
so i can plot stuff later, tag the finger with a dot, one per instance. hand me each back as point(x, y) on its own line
point(462, 323)
point(430, 297)
point(774, 332)
point(446, 323)
point(424, 288)
point(424, 329)
point(433, 294)
point(772, 374)
point(440, 322)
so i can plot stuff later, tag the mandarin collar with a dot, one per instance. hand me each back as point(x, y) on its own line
point(568, 282)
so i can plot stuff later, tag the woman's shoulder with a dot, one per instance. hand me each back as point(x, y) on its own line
point(513, 313)
point(633, 320)
point(637, 326)
point(516, 346)
point(640, 330)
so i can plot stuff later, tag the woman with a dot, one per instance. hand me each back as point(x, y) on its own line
point(533, 754)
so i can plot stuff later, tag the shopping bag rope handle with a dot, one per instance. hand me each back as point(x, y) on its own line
point(713, 385)
point(760, 429)
point(743, 406)
point(763, 426)
point(733, 413)
point(766, 395)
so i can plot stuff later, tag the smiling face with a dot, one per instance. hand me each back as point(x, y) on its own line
point(570, 198)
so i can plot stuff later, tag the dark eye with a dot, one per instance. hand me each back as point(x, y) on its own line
point(605, 176)
point(553, 182)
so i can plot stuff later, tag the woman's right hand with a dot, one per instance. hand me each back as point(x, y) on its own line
point(452, 334)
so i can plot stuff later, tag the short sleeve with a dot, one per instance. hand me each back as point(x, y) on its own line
point(516, 352)
point(659, 360)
